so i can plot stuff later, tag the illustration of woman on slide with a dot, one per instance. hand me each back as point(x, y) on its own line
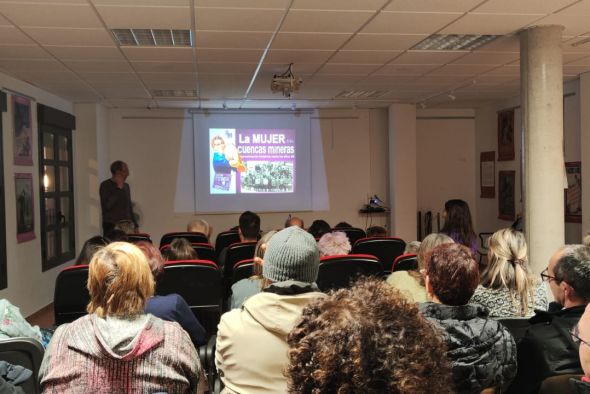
point(225, 157)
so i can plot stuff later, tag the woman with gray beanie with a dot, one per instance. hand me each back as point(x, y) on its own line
point(251, 352)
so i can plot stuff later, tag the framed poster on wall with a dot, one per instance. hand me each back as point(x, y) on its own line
point(573, 193)
point(506, 205)
point(23, 131)
point(25, 214)
point(506, 135)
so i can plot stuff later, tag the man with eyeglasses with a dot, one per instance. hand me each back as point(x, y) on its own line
point(547, 348)
point(581, 335)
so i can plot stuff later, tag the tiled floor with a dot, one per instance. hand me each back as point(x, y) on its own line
point(43, 318)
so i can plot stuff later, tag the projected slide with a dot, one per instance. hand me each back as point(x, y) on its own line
point(252, 161)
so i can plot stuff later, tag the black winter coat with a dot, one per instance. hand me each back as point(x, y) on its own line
point(547, 349)
point(481, 350)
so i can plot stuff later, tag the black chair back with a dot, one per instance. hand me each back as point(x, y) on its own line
point(336, 272)
point(242, 269)
point(516, 325)
point(237, 252)
point(386, 249)
point(199, 282)
point(71, 295)
point(205, 251)
point(225, 239)
point(136, 237)
point(191, 237)
point(405, 262)
point(353, 233)
point(26, 352)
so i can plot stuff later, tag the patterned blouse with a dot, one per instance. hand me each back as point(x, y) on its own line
point(499, 303)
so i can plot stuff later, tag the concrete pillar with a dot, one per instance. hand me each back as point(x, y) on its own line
point(403, 195)
point(585, 147)
point(541, 75)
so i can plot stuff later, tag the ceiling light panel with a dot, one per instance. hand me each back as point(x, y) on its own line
point(454, 42)
point(176, 93)
point(153, 37)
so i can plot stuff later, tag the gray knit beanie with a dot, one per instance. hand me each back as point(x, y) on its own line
point(291, 254)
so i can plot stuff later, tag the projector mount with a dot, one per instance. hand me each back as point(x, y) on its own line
point(286, 82)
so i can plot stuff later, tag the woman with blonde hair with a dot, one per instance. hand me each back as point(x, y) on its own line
point(507, 287)
point(117, 347)
point(411, 283)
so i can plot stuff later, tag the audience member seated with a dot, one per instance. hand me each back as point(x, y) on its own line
point(251, 352)
point(581, 336)
point(507, 287)
point(127, 226)
point(376, 231)
point(180, 249)
point(200, 226)
point(458, 224)
point(319, 228)
point(249, 229)
point(333, 244)
point(343, 225)
point(14, 325)
point(294, 221)
point(481, 350)
point(117, 235)
point(89, 248)
point(245, 288)
point(412, 247)
point(547, 348)
point(117, 345)
point(344, 343)
point(411, 283)
point(171, 307)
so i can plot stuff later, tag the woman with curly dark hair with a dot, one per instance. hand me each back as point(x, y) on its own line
point(368, 339)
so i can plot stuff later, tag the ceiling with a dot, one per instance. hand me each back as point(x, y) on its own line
point(65, 47)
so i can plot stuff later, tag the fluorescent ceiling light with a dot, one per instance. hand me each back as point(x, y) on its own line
point(174, 93)
point(153, 37)
point(454, 42)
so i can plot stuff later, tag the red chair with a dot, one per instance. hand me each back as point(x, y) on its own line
point(225, 239)
point(353, 233)
point(137, 237)
point(242, 269)
point(405, 262)
point(386, 249)
point(235, 253)
point(205, 251)
point(71, 296)
point(191, 237)
point(336, 272)
point(199, 282)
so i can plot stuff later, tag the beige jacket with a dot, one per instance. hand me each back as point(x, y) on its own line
point(251, 352)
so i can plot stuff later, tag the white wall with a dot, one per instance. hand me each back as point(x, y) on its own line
point(28, 287)
point(355, 153)
point(91, 125)
point(445, 160)
point(486, 140)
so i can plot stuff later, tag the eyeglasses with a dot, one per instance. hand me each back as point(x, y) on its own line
point(575, 334)
point(545, 277)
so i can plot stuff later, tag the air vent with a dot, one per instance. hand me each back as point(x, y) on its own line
point(361, 94)
point(153, 37)
point(174, 93)
point(453, 42)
